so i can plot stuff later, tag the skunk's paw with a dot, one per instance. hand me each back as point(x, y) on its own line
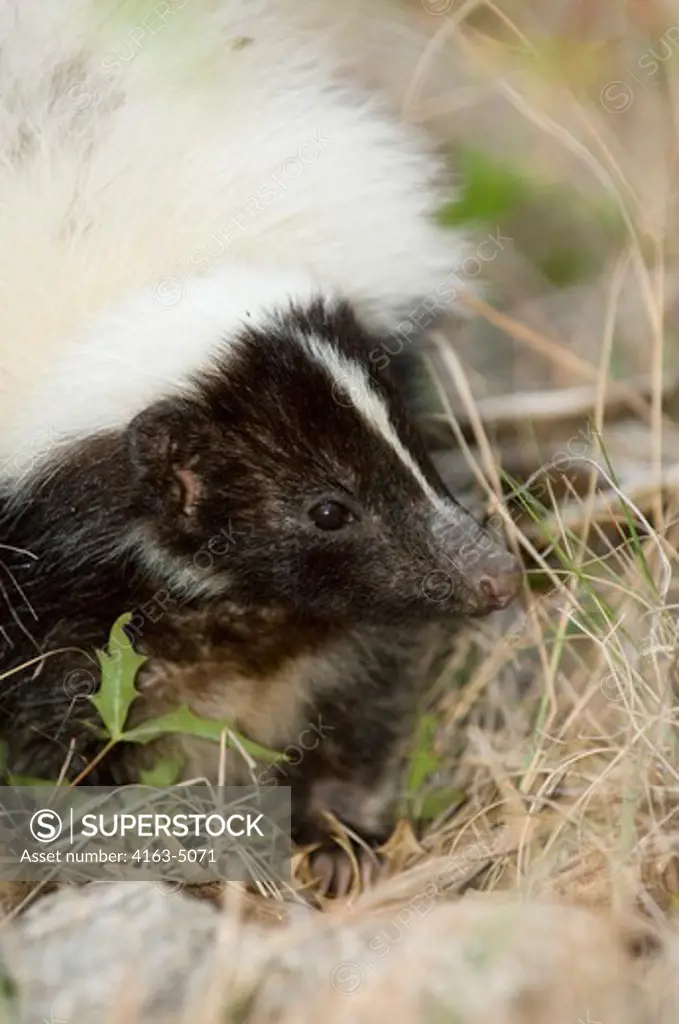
point(341, 873)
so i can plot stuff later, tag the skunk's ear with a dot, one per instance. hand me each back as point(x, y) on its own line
point(164, 444)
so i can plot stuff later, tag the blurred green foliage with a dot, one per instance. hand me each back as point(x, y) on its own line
point(489, 191)
point(425, 800)
point(566, 235)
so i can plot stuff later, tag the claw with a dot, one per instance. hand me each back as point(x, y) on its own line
point(337, 871)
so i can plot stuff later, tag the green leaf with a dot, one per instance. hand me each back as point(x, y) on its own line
point(424, 760)
point(432, 805)
point(31, 780)
point(184, 721)
point(165, 772)
point(9, 990)
point(119, 667)
point(566, 266)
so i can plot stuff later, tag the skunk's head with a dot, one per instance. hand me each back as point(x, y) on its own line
point(292, 478)
point(282, 472)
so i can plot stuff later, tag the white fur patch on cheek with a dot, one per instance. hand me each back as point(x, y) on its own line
point(190, 577)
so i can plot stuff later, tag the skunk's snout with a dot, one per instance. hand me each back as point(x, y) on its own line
point(476, 571)
point(497, 583)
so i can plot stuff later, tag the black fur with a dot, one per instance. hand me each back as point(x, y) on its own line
point(195, 518)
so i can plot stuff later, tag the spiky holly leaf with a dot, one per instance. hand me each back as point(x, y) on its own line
point(165, 772)
point(120, 664)
point(184, 721)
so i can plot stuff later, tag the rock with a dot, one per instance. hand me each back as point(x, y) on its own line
point(130, 946)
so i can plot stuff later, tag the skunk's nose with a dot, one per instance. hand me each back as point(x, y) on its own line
point(487, 575)
point(500, 588)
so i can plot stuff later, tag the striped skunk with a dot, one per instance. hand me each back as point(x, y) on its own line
point(207, 234)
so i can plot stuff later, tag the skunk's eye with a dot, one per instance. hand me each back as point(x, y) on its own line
point(331, 515)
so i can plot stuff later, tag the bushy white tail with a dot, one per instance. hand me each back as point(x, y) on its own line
point(146, 144)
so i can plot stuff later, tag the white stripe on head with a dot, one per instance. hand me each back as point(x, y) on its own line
point(351, 386)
